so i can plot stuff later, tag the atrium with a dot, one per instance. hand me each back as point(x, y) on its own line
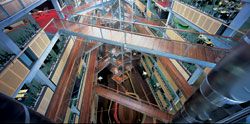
point(125, 61)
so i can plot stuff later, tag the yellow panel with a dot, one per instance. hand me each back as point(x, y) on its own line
point(207, 24)
point(77, 119)
point(163, 102)
point(12, 76)
point(174, 36)
point(180, 69)
point(41, 44)
point(45, 38)
point(145, 67)
point(20, 69)
point(56, 76)
point(195, 17)
point(5, 89)
point(140, 5)
point(66, 119)
point(43, 106)
point(175, 7)
point(163, 86)
point(191, 14)
point(186, 12)
point(201, 21)
point(166, 74)
point(198, 18)
point(149, 13)
point(214, 27)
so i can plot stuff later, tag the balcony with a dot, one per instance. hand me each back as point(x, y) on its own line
point(224, 10)
point(11, 7)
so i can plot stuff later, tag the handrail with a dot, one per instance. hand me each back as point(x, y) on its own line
point(155, 26)
point(135, 33)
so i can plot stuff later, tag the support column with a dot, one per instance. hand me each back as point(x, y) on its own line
point(170, 14)
point(9, 46)
point(58, 8)
point(75, 110)
point(43, 79)
point(238, 21)
point(247, 37)
point(148, 4)
point(120, 14)
point(197, 73)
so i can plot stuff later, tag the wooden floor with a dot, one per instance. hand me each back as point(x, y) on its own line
point(162, 46)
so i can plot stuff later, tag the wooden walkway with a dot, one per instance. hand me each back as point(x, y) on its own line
point(188, 52)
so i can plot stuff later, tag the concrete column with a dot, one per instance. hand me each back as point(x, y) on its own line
point(43, 79)
point(197, 73)
point(9, 46)
point(238, 21)
point(58, 8)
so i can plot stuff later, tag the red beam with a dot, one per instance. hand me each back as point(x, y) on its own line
point(133, 104)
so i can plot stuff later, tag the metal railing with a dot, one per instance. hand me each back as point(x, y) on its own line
point(235, 40)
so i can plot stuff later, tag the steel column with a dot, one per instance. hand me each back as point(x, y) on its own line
point(197, 73)
point(238, 21)
point(58, 8)
point(43, 79)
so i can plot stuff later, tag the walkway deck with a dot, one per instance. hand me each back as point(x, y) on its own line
point(188, 52)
